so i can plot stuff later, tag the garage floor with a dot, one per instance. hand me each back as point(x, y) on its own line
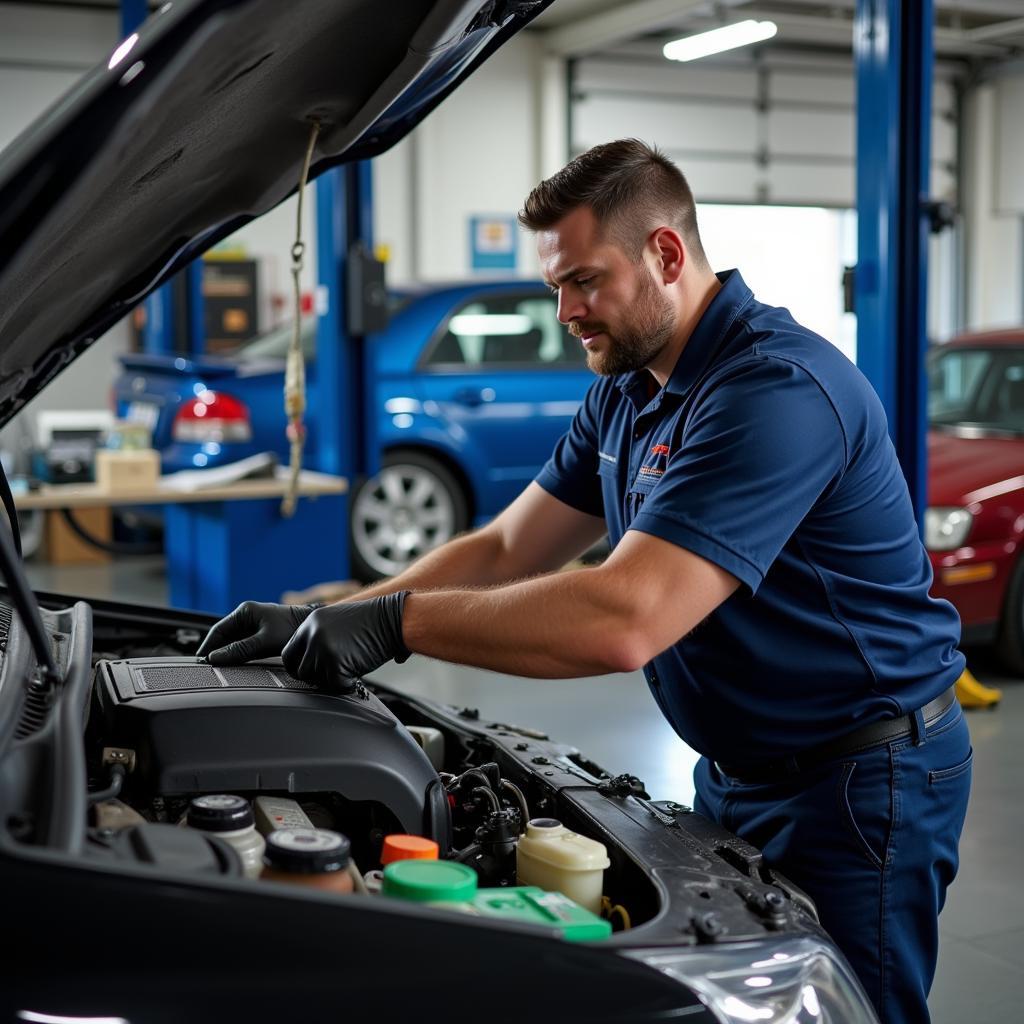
point(614, 721)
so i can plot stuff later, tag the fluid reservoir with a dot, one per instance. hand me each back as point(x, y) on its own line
point(230, 818)
point(431, 881)
point(315, 857)
point(555, 859)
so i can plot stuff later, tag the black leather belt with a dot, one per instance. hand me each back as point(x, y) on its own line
point(855, 742)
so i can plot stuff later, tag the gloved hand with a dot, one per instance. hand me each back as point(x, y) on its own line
point(253, 630)
point(342, 642)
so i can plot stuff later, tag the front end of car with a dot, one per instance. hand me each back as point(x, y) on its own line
point(974, 524)
point(973, 550)
point(700, 926)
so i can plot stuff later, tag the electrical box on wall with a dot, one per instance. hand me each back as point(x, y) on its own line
point(367, 299)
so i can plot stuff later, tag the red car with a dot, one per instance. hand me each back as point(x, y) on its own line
point(974, 526)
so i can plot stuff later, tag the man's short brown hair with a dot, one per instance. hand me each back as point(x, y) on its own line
point(630, 187)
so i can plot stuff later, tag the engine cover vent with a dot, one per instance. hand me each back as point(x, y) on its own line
point(179, 678)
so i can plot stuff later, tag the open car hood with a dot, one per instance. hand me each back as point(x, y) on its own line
point(193, 129)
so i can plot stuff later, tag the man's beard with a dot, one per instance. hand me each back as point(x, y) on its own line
point(636, 344)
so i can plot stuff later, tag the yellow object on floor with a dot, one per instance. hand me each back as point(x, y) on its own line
point(973, 694)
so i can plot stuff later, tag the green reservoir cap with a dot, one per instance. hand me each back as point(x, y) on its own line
point(429, 881)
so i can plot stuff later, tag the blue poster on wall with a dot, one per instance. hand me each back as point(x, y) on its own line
point(492, 242)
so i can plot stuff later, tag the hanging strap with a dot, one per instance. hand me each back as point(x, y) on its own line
point(295, 368)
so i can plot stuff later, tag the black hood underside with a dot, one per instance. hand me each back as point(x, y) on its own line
point(201, 126)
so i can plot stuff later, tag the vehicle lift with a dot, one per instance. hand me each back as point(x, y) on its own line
point(894, 65)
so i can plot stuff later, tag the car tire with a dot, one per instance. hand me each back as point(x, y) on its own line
point(413, 505)
point(1010, 639)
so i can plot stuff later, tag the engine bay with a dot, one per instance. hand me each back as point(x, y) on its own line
point(164, 730)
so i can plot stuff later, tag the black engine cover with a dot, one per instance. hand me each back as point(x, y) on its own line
point(253, 728)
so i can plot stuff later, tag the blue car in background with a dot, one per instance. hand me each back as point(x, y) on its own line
point(475, 383)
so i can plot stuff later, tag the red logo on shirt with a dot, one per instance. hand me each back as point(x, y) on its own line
point(660, 449)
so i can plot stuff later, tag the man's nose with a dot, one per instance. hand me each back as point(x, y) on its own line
point(570, 307)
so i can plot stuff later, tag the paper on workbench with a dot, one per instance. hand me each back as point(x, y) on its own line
point(261, 465)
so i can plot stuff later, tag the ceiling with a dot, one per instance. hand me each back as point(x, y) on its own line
point(967, 29)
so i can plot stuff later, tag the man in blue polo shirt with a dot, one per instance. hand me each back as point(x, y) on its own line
point(766, 571)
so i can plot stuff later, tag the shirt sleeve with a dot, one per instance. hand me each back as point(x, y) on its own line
point(570, 474)
point(757, 452)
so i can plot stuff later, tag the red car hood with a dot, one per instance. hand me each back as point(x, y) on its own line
point(962, 470)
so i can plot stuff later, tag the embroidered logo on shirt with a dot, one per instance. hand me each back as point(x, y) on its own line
point(659, 451)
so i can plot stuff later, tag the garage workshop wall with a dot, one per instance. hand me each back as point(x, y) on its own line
point(776, 131)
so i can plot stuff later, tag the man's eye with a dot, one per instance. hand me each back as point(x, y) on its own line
point(584, 282)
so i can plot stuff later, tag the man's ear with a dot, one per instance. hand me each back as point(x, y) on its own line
point(670, 252)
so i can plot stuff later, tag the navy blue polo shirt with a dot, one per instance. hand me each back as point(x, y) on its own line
point(767, 453)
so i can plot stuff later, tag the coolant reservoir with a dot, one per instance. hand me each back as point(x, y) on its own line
point(555, 859)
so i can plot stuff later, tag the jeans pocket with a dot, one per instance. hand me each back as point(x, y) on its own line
point(875, 856)
point(947, 774)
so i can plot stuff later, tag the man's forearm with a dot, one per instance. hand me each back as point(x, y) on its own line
point(476, 559)
point(561, 625)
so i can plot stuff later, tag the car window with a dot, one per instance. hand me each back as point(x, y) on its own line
point(1007, 406)
point(503, 331)
point(954, 383)
point(978, 388)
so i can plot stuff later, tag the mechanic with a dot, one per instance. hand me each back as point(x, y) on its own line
point(766, 571)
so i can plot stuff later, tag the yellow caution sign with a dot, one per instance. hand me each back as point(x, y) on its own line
point(973, 694)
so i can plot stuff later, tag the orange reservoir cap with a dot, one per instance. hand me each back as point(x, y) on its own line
point(400, 847)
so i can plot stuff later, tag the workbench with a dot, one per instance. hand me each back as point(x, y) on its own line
point(227, 544)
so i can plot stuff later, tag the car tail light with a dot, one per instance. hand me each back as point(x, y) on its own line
point(212, 416)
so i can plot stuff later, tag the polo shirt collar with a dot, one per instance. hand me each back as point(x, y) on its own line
point(701, 347)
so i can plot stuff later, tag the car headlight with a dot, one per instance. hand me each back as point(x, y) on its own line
point(799, 980)
point(946, 528)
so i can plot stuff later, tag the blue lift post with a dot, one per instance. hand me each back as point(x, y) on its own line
point(345, 370)
point(893, 55)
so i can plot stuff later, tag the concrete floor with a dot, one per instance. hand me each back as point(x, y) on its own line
point(613, 720)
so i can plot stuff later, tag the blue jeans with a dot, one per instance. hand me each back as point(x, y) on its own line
point(872, 839)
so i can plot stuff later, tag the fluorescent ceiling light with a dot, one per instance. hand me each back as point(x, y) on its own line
point(728, 37)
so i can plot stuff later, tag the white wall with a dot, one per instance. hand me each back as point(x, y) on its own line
point(479, 153)
point(778, 129)
point(994, 240)
point(42, 53)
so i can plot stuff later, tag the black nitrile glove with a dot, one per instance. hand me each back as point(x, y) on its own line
point(344, 641)
point(253, 630)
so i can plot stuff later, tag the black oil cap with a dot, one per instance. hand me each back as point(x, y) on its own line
point(307, 851)
point(219, 812)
